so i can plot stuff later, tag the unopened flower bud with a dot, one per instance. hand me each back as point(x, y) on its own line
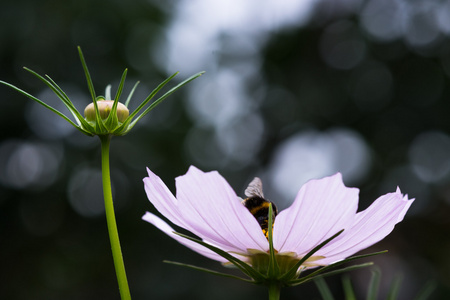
point(104, 108)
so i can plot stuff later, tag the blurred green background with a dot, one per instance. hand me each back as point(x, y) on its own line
point(293, 90)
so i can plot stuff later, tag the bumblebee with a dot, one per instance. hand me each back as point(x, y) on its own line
point(258, 205)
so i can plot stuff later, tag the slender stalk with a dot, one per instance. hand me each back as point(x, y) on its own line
point(111, 221)
point(274, 291)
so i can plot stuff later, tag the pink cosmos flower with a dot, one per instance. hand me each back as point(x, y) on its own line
point(206, 205)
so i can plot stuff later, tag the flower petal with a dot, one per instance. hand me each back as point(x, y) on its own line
point(322, 208)
point(164, 227)
point(212, 211)
point(161, 197)
point(370, 226)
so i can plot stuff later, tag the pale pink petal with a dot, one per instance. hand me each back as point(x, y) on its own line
point(164, 227)
point(322, 208)
point(161, 197)
point(370, 226)
point(212, 210)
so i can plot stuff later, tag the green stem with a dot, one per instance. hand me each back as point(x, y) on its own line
point(111, 221)
point(274, 291)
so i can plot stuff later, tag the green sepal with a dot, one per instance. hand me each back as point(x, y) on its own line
point(323, 289)
point(241, 265)
point(208, 271)
point(112, 121)
point(325, 268)
point(98, 126)
point(292, 273)
point(125, 127)
point(274, 269)
point(48, 107)
point(348, 288)
point(131, 94)
point(326, 274)
point(163, 97)
point(121, 84)
point(372, 293)
point(59, 92)
point(87, 74)
point(151, 95)
point(108, 92)
point(373, 288)
point(395, 288)
point(272, 274)
point(64, 98)
point(129, 123)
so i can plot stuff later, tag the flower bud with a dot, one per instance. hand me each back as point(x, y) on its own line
point(104, 109)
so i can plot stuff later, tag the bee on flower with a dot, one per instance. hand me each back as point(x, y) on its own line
point(321, 228)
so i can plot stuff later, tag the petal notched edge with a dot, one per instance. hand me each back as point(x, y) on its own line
point(213, 211)
point(161, 197)
point(370, 226)
point(321, 208)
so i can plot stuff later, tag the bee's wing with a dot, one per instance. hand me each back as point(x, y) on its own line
point(254, 188)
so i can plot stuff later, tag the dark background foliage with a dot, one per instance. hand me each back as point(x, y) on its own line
point(360, 87)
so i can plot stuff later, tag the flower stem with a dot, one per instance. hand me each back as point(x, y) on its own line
point(274, 291)
point(111, 221)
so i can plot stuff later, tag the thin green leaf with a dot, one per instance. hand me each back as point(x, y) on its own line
point(208, 271)
point(108, 92)
point(112, 121)
point(77, 115)
point(126, 125)
point(342, 262)
point(47, 106)
point(244, 267)
point(294, 269)
point(273, 264)
point(334, 272)
point(131, 94)
point(52, 85)
point(64, 98)
point(162, 98)
point(394, 289)
point(151, 95)
point(121, 84)
point(323, 289)
point(100, 127)
point(426, 291)
point(374, 285)
point(348, 289)
point(59, 92)
point(88, 76)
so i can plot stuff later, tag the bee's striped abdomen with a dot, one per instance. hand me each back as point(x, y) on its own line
point(259, 208)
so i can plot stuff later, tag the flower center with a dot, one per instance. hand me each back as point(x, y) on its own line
point(260, 260)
